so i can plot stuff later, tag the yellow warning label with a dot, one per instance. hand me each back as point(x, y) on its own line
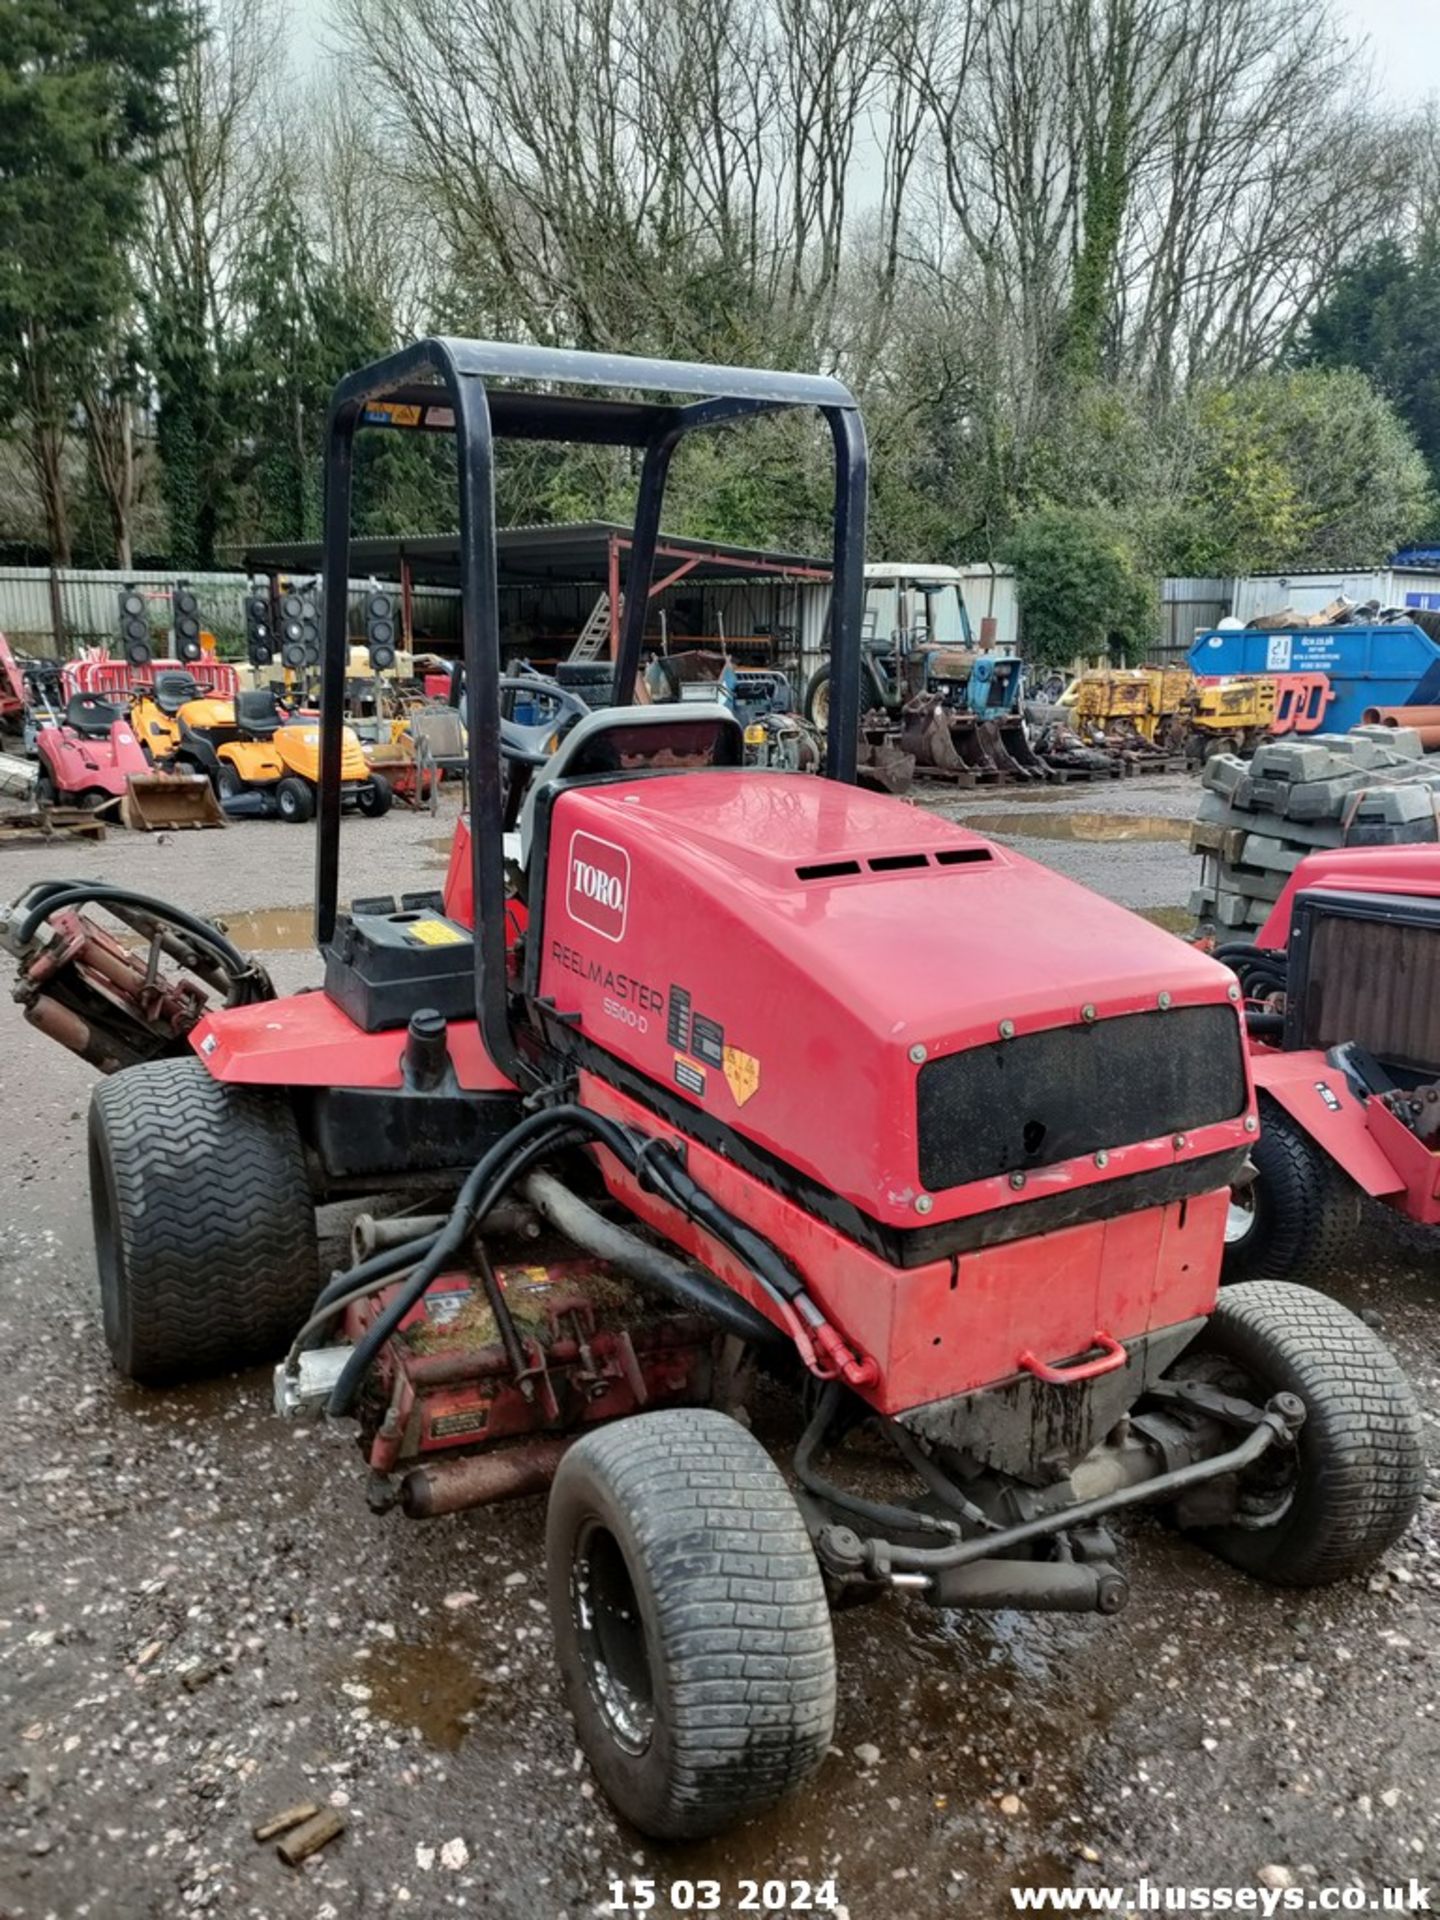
point(396, 412)
point(742, 1074)
point(435, 933)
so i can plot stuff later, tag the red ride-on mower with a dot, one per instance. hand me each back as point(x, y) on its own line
point(711, 1071)
point(92, 754)
point(1342, 1004)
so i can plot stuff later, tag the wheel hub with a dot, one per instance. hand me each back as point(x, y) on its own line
point(611, 1637)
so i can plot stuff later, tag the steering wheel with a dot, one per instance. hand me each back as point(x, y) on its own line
point(530, 746)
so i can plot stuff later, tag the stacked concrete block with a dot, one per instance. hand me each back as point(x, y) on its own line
point(1258, 819)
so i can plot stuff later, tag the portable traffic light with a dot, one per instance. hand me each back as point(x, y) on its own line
point(185, 619)
point(380, 629)
point(134, 627)
point(259, 640)
point(300, 628)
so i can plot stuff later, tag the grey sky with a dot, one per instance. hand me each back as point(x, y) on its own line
point(1404, 35)
point(1405, 39)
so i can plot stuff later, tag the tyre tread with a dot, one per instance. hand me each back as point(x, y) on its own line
point(214, 1219)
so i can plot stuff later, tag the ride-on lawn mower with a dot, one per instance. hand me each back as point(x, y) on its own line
point(91, 758)
point(1342, 992)
point(251, 746)
point(718, 1070)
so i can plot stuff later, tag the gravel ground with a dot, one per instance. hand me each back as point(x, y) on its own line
point(201, 1622)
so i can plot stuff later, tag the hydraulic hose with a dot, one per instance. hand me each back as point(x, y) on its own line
point(650, 1265)
point(1265, 1026)
point(249, 981)
point(505, 1162)
point(484, 1184)
point(876, 1512)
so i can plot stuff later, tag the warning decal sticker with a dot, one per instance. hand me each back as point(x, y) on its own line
point(742, 1074)
point(435, 933)
point(689, 1076)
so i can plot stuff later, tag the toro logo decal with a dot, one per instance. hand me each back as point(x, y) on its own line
point(597, 885)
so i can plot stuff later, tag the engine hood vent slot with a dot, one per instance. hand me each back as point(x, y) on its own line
point(895, 863)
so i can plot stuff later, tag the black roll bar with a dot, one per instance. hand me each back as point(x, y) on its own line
point(440, 384)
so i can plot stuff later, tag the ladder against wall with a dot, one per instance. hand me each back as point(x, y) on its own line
point(594, 636)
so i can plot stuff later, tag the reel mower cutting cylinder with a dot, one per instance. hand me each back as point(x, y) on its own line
point(791, 1078)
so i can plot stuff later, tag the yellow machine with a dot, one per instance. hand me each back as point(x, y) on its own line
point(1229, 716)
point(1144, 701)
point(249, 746)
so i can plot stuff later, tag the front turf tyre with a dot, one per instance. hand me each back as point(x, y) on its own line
point(690, 1621)
point(228, 783)
point(295, 801)
point(1328, 1507)
point(1299, 1216)
point(374, 796)
point(204, 1225)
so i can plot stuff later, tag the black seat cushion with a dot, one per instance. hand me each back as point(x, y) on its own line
point(90, 716)
point(256, 712)
point(173, 689)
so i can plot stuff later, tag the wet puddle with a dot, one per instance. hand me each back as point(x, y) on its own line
point(271, 929)
point(435, 1689)
point(1091, 827)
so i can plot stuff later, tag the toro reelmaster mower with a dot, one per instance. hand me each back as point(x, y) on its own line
point(1342, 996)
point(711, 1072)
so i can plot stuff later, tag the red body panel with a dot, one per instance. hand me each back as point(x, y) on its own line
point(305, 1040)
point(12, 684)
point(808, 995)
point(1318, 1097)
point(460, 888)
point(951, 1326)
point(1359, 869)
point(78, 764)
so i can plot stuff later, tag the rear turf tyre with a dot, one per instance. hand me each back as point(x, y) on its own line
point(1351, 1485)
point(374, 797)
point(204, 1225)
point(295, 801)
point(1300, 1215)
point(46, 793)
point(690, 1621)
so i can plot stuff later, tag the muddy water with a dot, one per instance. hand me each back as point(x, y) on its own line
point(1090, 827)
point(436, 1689)
point(271, 929)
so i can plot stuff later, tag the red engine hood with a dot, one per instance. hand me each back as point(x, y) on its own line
point(779, 951)
point(937, 952)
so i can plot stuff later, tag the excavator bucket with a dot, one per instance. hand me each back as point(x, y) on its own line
point(154, 802)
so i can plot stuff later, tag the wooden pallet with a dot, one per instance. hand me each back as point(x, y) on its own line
point(49, 823)
point(1141, 763)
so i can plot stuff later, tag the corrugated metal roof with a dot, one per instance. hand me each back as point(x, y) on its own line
point(572, 551)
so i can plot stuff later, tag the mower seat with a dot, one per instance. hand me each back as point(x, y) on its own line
point(256, 713)
point(616, 738)
point(91, 717)
point(172, 689)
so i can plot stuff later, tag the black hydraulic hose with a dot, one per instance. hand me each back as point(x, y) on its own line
point(55, 895)
point(1264, 1025)
point(750, 1247)
point(936, 1478)
point(483, 1185)
point(876, 1512)
point(377, 1267)
point(538, 1134)
point(652, 1266)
